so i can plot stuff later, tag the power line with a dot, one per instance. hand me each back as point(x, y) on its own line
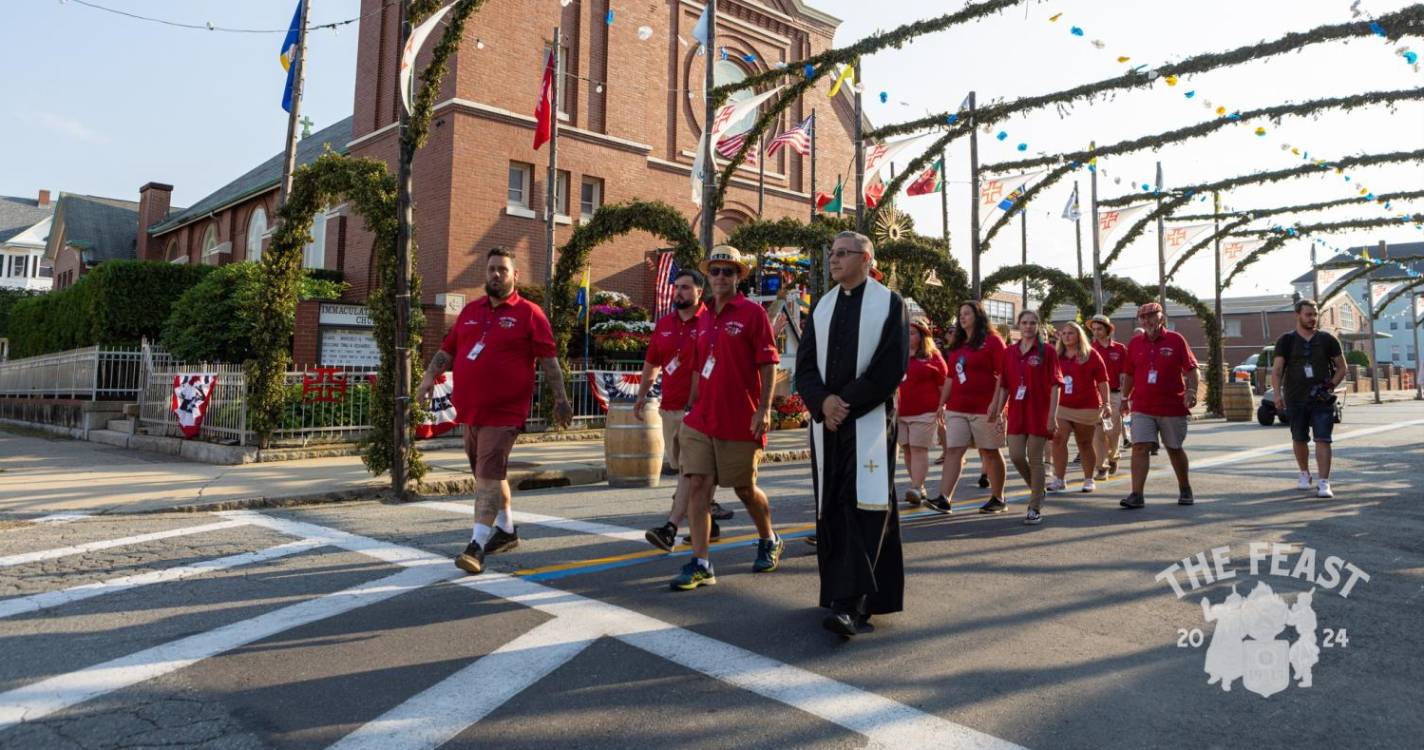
point(210, 26)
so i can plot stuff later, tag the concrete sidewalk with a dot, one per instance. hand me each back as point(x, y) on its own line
point(42, 475)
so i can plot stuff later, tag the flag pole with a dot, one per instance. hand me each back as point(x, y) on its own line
point(405, 217)
point(944, 198)
point(761, 174)
point(1161, 245)
point(709, 166)
point(289, 158)
point(1078, 228)
point(812, 191)
point(1097, 259)
point(973, 200)
point(859, 154)
point(1023, 240)
point(1314, 275)
point(1220, 374)
point(551, 201)
point(1370, 316)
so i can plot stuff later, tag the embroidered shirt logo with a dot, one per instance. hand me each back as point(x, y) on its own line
point(506, 321)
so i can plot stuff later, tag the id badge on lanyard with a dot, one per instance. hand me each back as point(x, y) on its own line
point(959, 369)
point(479, 346)
point(673, 364)
point(1152, 368)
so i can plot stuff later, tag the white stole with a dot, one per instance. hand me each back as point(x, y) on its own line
point(872, 484)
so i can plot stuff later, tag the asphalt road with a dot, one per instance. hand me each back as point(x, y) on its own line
point(347, 624)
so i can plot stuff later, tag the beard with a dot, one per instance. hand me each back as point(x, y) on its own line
point(682, 304)
point(497, 290)
point(1308, 325)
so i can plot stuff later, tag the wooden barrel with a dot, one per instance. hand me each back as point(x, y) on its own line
point(1237, 402)
point(633, 448)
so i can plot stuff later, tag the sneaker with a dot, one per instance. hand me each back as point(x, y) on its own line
point(913, 496)
point(1185, 498)
point(1112, 467)
point(692, 576)
point(811, 540)
point(939, 505)
point(663, 537)
point(768, 555)
point(1089, 486)
point(1057, 485)
point(714, 536)
point(1304, 483)
point(472, 560)
point(719, 513)
point(502, 541)
point(1323, 489)
point(995, 505)
point(1033, 518)
point(1101, 475)
point(1132, 501)
point(983, 481)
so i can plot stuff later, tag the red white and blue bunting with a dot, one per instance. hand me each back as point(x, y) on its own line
point(191, 395)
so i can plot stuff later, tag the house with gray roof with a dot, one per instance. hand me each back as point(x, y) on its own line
point(1394, 331)
point(24, 227)
point(86, 231)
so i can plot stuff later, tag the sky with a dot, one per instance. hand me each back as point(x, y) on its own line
point(102, 104)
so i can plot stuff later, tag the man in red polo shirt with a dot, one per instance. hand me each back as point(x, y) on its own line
point(724, 432)
point(1161, 389)
point(492, 349)
point(1108, 443)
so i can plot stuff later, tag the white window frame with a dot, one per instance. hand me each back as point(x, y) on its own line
point(210, 244)
point(254, 236)
point(1231, 328)
point(520, 206)
point(563, 181)
point(314, 253)
point(588, 208)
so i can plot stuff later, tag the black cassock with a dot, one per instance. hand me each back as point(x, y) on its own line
point(858, 550)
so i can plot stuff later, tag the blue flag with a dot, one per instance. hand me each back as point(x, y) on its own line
point(289, 56)
point(1008, 202)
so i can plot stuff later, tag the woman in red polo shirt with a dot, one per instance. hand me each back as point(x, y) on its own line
point(1083, 406)
point(972, 410)
point(917, 407)
point(1030, 383)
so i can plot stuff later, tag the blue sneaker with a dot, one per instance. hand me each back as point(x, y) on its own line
point(768, 555)
point(692, 576)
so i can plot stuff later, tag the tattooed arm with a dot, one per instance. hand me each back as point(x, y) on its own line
point(438, 365)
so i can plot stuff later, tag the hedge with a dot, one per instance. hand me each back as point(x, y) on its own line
point(117, 303)
point(8, 298)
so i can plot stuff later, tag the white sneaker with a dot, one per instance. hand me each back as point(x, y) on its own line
point(1089, 485)
point(1057, 485)
point(1304, 484)
point(1322, 489)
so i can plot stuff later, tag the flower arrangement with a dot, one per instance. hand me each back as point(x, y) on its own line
point(622, 342)
point(631, 326)
point(789, 412)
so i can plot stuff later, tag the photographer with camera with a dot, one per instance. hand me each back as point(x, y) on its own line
point(1312, 365)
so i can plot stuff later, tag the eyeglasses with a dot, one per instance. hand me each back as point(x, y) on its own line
point(722, 271)
point(844, 253)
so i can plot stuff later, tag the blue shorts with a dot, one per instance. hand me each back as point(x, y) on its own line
point(1307, 417)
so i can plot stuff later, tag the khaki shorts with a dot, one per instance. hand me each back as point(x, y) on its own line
point(960, 429)
point(1081, 416)
point(1146, 428)
point(672, 420)
point(919, 431)
point(731, 463)
point(488, 450)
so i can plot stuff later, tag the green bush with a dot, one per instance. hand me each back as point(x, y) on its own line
point(117, 303)
point(1357, 357)
point(8, 298)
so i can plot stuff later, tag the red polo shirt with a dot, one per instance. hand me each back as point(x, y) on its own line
point(1115, 357)
point(1080, 381)
point(495, 388)
point(919, 392)
point(1171, 358)
point(738, 340)
point(1037, 371)
point(673, 347)
point(980, 369)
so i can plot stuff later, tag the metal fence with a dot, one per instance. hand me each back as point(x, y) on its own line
point(99, 373)
point(332, 406)
point(588, 412)
point(225, 420)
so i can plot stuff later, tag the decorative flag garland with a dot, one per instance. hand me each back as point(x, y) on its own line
point(441, 417)
point(619, 386)
point(191, 395)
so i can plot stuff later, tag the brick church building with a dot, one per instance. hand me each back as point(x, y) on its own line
point(630, 120)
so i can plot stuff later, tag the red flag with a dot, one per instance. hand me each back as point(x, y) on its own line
point(543, 111)
point(874, 192)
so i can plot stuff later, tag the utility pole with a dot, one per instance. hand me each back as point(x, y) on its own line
point(944, 198)
point(1370, 317)
point(552, 194)
point(400, 295)
point(1414, 299)
point(859, 153)
point(1023, 236)
point(1161, 246)
point(1078, 228)
point(761, 175)
point(709, 167)
point(1220, 374)
point(1314, 275)
point(974, 289)
point(289, 159)
point(812, 191)
point(1097, 259)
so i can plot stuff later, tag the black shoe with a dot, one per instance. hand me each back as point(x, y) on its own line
point(719, 513)
point(995, 505)
point(811, 540)
point(472, 560)
point(840, 623)
point(983, 481)
point(1132, 501)
point(1185, 498)
point(1112, 467)
point(714, 536)
point(663, 537)
point(939, 505)
point(502, 541)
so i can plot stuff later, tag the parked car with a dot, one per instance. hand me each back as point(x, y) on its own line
point(1266, 413)
point(1246, 371)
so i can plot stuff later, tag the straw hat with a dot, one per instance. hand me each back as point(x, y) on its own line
point(725, 254)
point(1105, 320)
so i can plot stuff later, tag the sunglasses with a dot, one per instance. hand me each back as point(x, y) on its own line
point(722, 271)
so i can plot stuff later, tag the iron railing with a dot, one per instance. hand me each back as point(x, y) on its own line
point(225, 419)
point(97, 373)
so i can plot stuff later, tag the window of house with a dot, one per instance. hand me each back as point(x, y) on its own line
point(565, 80)
point(210, 242)
point(590, 196)
point(256, 228)
point(1231, 327)
point(561, 193)
point(1394, 325)
point(1347, 317)
point(999, 311)
point(46, 270)
point(520, 177)
point(314, 254)
point(15, 265)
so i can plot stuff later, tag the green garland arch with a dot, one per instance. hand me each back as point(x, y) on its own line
point(1408, 285)
point(906, 264)
point(1214, 236)
point(1383, 199)
point(609, 221)
point(757, 236)
point(1277, 240)
point(1063, 283)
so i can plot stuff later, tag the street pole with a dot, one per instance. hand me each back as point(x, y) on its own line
point(1023, 239)
point(812, 191)
point(1097, 258)
point(973, 200)
point(1370, 317)
point(944, 199)
point(289, 159)
point(761, 175)
point(859, 154)
point(1078, 228)
point(405, 218)
point(709, 180)
point(1314, 275)
point(552, 193)
point(1414, 299)
point(1220, 373)
point(1162, 246)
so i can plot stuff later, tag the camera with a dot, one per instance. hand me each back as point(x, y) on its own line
point(1322, 393)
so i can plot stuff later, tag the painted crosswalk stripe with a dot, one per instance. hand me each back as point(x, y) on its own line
point(554, 522)
point(61, 517)
point(436, 715)
point(79, 549)
point(36, 602)
point(40, 699)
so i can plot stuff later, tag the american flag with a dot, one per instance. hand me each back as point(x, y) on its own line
point(662, 284)
point(729, 146)
point(798, 138)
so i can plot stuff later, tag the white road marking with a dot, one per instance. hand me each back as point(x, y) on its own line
point(79, 549)
point(1282, 448)
point(436, 715)
point(48, 599)
point(886, 722)
point(61, 517)
point(538, 519)
point(40, 699)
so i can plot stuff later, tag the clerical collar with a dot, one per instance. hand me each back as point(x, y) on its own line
point(857, 290)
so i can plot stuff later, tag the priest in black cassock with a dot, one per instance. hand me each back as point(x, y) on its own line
point(851, 359)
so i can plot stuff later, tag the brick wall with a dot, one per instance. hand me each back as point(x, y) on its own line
point(306, 334)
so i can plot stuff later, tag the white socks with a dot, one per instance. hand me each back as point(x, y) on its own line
point(704, 562)
point(482, 534)
point(504, 522)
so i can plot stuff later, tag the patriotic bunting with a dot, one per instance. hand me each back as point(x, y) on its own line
point(191, 394)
